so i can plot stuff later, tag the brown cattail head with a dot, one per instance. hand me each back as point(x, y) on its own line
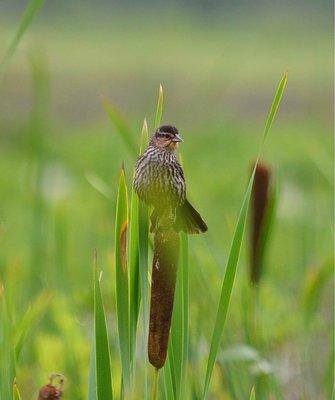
point(259, 207)
point(164, 272)
point(51, 391)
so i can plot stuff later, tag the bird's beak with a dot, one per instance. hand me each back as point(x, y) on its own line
point(177, 139)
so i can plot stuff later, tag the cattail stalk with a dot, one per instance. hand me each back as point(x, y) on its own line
point(259, 207)
point(164, 272)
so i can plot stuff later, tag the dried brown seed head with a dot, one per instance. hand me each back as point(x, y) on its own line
point(52, 391)
point(259, 205)
point(164, 271)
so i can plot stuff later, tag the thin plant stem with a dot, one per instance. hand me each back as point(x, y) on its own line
point(155, 385)
point(255, 321)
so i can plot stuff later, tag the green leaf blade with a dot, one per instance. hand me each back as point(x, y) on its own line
point(274, 108)
point(227, 286)
point(16, 392)
point(121, 126)
point(104, 384)
point(144, 136)
point(143, 232)
point(92, 377)
point(134, 283)
point(159, 108)
point(168, 382)
point(122, 278)
point(134, 261)
point(235, 248)
point(30, 12)
point(185, 282)
point(143, 242)
point(179, 331)
point(7, 356)
point(30, 319)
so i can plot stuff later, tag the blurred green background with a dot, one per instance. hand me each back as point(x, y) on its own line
point(219, 63)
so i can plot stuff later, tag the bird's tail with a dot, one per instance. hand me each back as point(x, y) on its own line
point(189, 220)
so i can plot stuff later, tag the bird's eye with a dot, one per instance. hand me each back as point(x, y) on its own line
point(167, 135)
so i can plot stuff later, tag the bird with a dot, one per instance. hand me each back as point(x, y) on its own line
point(160, 183)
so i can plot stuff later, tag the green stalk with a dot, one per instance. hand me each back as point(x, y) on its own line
point(155, 385)
point(179, 331)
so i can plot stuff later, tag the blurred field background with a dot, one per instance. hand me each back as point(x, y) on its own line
point(60, 158)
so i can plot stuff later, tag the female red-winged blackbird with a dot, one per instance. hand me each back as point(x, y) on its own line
point(159, 181)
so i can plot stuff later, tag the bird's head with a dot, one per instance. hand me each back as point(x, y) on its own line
point(166, 137)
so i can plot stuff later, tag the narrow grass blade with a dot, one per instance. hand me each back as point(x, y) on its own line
point(168, 382)
point(16, 392)
point(7, 358)
point(92, 377)
point(32, 8)
point(227, 287)
point(99, 184)
point(134, 283)
point(184, 268)
point(328, 379)
point(143, 235)
point(159, 108)
point(314, 285)
point(185, 281)
point(37, 132)
point(102, 352)
point(61, 252)
point(30, 319)
point(134, 273)
point(177, 334)
point(235, 248)
point(155, 385)
point(122, 278)
point(144, 136)
point(179, 331)
point(143, 229)
point(273, 110)
point(252, 394)
point(121, 126)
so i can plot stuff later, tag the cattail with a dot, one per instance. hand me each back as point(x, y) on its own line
point(260, 199)
point(164, 271)
point(51, 391)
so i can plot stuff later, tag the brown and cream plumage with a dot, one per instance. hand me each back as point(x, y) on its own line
point(159, 182)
